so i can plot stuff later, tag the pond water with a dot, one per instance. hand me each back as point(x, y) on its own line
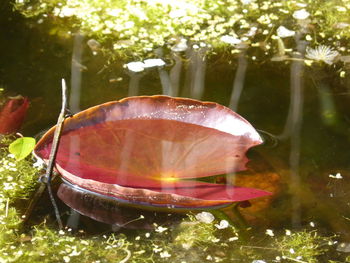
point(301, 112)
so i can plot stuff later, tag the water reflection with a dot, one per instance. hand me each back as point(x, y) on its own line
point(76, 69)
point(314, 141)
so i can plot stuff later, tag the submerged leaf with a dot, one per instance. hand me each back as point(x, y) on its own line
point(141, 150)
point(12, 114)
point(22, 147)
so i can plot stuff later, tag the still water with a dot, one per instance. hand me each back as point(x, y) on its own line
point(301, 112)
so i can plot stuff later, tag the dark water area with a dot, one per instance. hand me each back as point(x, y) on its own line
point(301, 111)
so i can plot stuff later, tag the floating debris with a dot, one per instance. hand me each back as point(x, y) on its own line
point(301, 14)
point(222, 225)
point(139, 66)
point(336, 176)
point(269, 232)
point(284, 32)
point(136, 66)
point(230, 40)
point(153, 62)
point(180, 46)
point(205, 217)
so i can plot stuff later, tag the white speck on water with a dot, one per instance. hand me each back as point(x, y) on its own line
point(165, 254)
point(161, 229)
point(301, 14)
point(230, 40)
point(153, 62)
point(246, 2)
point(222, 225)
point(181, 46)
point(284, 32)
point(336, 176)
point(136, 66)
point(269, 232)
point(205, 217)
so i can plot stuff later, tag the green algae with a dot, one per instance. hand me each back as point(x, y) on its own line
point(196, 239)
point(137, 29)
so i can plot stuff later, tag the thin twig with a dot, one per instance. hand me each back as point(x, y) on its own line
point(47, 177)
point(33, 201)
point(53, 153)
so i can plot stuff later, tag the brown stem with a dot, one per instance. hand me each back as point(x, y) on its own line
point(54, 149)
point(46, 179)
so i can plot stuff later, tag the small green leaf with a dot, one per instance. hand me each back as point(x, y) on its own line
point(22, 147)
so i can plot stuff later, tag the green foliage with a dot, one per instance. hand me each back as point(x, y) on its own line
point(305, 246)
point(17, 177)
point(137, 28)
point(22, 147)
point(193, 240)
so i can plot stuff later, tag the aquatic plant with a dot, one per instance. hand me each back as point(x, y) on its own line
point(322, 53)
point(198, 238)
point(148, 151)
point(303, 246)
point(18, 177)
point(22, 147)
point(12, 114)
point(137, 28)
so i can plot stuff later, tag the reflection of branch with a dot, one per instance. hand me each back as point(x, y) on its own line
point(54, 149)
point(293, 125)
point(238, 82)
point(195, 76)
point(175, 73)
point(199, 74)
point(134, 83)
point(165, 81)
point(296, 96)
point(76, 69)
point(164, 76)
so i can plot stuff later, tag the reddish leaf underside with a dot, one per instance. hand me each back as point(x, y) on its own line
point(12, 114)
point(146, 149)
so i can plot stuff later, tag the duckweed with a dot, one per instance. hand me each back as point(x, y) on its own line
point(198, 238)
point(138, 28)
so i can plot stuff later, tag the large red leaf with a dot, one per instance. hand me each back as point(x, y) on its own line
point(141, 149)
point(12, 114)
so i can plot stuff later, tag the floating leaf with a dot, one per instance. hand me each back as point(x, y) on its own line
point(150, 150)
point(22, 147)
